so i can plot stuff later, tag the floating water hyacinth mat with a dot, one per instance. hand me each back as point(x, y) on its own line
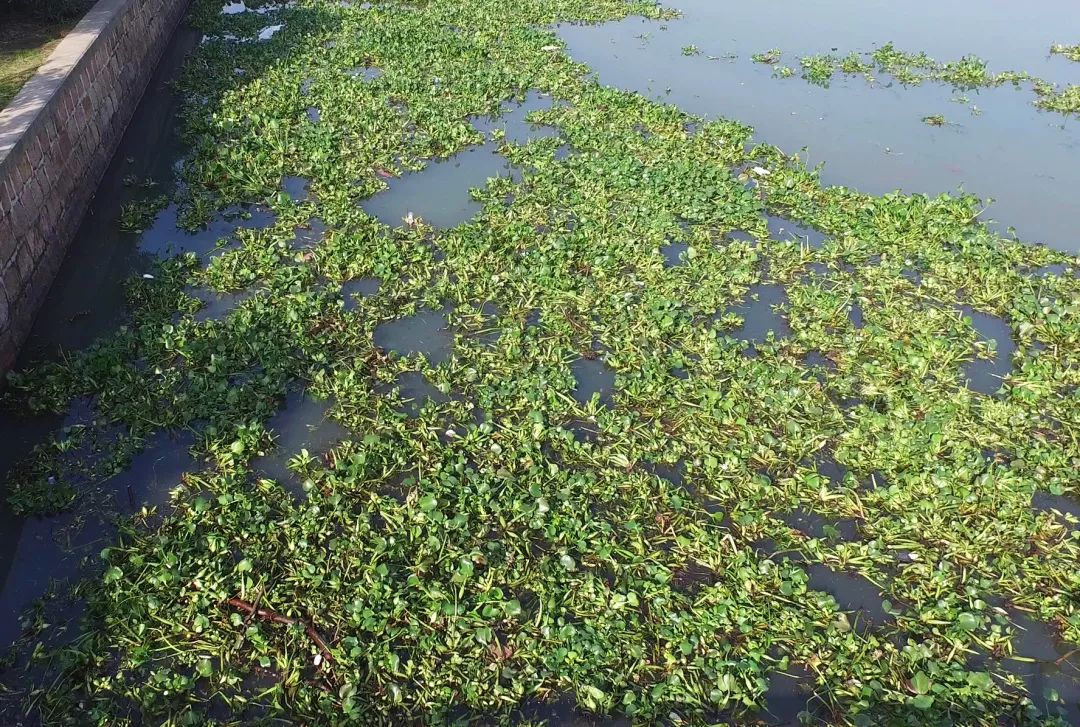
point(667, 432)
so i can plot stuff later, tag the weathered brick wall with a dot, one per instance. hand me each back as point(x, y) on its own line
point(56, 139)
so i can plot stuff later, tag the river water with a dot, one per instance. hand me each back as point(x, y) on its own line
point(869, 136)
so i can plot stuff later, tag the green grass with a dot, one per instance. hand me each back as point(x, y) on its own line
point(24, 45)
point(479, 559)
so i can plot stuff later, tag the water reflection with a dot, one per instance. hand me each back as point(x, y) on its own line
point(870, 137)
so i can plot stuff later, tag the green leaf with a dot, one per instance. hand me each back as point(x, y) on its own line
point(923, 701)
point(967, 621)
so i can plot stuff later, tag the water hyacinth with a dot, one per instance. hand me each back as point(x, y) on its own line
point(650, 425)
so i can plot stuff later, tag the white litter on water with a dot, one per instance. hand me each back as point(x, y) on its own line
point(269, 31)
point(760, 171)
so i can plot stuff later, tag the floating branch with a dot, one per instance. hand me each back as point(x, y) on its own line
point(266, 614)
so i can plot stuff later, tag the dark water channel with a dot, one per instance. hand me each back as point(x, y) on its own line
point(872, 138)
point(85, 302)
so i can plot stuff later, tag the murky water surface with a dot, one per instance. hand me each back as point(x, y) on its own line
point(985, 375)
point(439, 193)
point(871, 137)
point(593, 376)
point(301, 424)
point(427, 332)
point(760, 314)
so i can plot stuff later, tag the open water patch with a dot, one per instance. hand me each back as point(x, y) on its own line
point(673, 253)
point(439, 193)
point(789, 693)
point(302, 423)
point(296, 189)
point(352, 290)
point(215, 305)
point(155, 472)
point(365, 73)
point(760, 315)
point(818, 526)
point(1048, 667)
point(593, 377)
point(853, 593)
point(985, 375)
point(1043, 501)
point(511, 121)
point(165, 238)
point(785, 230)
point(427, 333)
point(308, 235)
point(415, 392)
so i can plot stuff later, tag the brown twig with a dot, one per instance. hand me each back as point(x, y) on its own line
point(265, 614)
point(1066, 657)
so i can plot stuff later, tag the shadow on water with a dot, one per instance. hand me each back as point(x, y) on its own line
point(427, 333)
point(439, 193)
point(51, 550)
point(37, 551)
point(302, 423)
point(101, 258)
point(870, 136)
point(985, 375)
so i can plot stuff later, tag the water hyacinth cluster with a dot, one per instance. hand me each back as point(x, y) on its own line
point(647, 424)
point(912, 69)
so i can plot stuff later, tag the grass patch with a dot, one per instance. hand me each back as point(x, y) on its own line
point(25, 43)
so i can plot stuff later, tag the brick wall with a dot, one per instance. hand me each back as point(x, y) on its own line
point(56, 139)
